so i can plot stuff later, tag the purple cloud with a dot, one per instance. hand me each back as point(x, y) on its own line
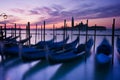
point(59, 14)
point(18, 10)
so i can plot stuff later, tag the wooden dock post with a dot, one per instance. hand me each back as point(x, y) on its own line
point(19, 33)
point(1, 33)
point(44, 32)
point(15, 30)
point(64, 29)
point(36, 34)
point(28, 33)
point(53, 30)
point(79, 34)
point(86, 40)
point(5, 30)
point(41, 33)
point(72, 27)
point(113, 33)
point(94, 38)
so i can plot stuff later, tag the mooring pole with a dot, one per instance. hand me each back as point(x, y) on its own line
point(36, 34)
point(86, 41)
point(72, 27)
point(113, 33)
point(15, 30)
point(5, 30)
point(20, 33)
point(94, 38)
point(44, 32)
point(41, 33)
point(53, 30)
point(64, 29)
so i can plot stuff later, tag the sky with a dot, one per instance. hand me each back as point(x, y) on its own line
point(99, 12)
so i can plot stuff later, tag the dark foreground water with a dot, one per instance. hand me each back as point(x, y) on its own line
point(15, 69)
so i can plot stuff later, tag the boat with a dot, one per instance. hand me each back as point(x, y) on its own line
point(66, 47)
point(118, 44)
point(11, 39)
point(72, 55)
point(59, 44)
point(42, 53)
point(24, 40)
point(104, 52)
point(41, 44)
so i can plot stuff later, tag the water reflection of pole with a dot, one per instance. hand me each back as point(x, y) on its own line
point(113, 33)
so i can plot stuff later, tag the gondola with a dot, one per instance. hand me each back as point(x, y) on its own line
point(118, 44)
point(75, 54)
point(26, 57)
point(41, 44)
point(11, 39)
point(66, 47)
point(59, 44)
point(104, 52)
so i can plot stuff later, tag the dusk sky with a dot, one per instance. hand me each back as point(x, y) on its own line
point(100, 12)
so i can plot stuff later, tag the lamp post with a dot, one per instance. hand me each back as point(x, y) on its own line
point(5, 17)
point(2, 44)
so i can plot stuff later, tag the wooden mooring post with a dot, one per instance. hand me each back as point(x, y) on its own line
point(44, 32)
point(15, 30)
point(86, 40)
point(28, 33)
point(113, 33)
point(5, 30)
point(94, 39)
point(53, 30)
point(19, 33)
point(72, 27)
point(36, 34)
point(64, 33)
point(41, 33)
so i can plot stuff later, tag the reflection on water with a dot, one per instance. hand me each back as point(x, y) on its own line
point(15, 69)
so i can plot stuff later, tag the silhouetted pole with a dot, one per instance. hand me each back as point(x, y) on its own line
point(41, 33)
point(5, 30)
point(113, 33)
point(15, 30)
point(56, 33)
point(44, 31)
point(94, 38)
point(64, 29)
point(28, 32)
point(86, 40)
point(20, 33)
point(72, 27)
point(1, 33)
point(36, 34)
point(79, 34)
point(53, 30)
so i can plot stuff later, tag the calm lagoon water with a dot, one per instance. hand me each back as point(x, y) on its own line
point(14, 69)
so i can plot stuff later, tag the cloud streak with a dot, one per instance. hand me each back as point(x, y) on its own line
point(16, 10)
point(58, 14)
